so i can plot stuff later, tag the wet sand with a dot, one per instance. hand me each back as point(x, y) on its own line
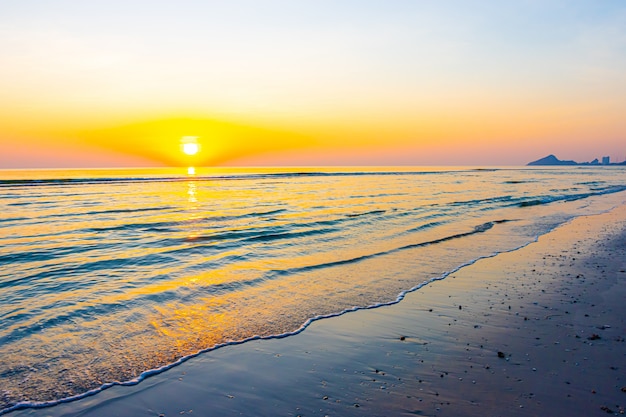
point(538, 331)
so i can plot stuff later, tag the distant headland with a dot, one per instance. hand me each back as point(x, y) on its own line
point(553, 160)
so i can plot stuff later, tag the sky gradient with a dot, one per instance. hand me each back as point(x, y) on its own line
point(119, 83)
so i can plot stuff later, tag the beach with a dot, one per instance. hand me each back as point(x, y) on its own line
point(307, 209)
point(536, 331)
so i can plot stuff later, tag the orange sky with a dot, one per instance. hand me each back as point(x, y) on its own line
point(105, 84)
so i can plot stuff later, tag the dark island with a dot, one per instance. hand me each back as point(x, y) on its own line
point(552, 160)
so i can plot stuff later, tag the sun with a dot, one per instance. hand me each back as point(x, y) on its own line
point(189, 145)
point(190, 148)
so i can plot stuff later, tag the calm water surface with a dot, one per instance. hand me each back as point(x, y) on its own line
point(107, 274)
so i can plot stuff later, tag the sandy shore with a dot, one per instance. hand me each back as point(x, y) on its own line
point(538, 331)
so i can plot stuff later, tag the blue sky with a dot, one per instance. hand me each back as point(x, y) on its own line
point(521, 76)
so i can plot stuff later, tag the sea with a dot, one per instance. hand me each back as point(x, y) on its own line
point(110, 276)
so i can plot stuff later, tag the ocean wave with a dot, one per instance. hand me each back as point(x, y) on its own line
point(155, 371)
point(534, 201)
point(367, 213)
point(13, 219)
point(478, 229)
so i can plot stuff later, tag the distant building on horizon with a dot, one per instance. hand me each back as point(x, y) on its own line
point(606, 160)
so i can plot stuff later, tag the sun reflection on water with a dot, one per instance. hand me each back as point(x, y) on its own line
point(192, 192)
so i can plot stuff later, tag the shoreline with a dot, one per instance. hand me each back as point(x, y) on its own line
point(437, 352)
